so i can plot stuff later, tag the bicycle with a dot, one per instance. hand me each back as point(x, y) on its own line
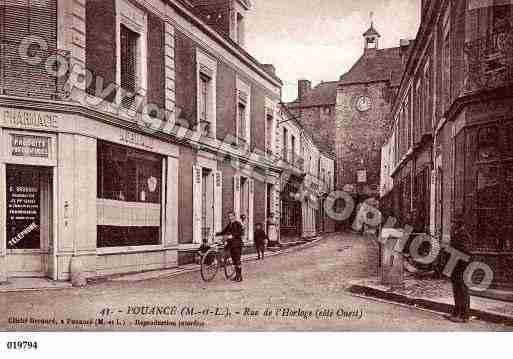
point(215, 258)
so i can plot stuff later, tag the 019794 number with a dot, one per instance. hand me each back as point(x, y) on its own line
point(21, 345)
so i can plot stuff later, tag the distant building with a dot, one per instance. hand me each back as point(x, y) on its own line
point(350, 117)
point(306, 182)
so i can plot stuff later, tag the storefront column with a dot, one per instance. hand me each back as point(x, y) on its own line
point(171, 220)
point(85, 202)
point(3, 224)
point(76, 207)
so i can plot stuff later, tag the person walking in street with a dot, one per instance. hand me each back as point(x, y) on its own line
point(233, 231)
point(461, 313)
point(260, 237)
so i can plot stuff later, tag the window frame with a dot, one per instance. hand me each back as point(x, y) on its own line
point(206, 69)
point(102, 147)
point(136, 20)
point(243, 97)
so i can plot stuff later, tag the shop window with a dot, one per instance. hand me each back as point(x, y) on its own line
point(115, 236)
point(508, 140)
point(488, 186)
point(501, 15)
point(488, 203)
point(27, 206)
point(507, 214)
point(130, 181)
point(129, 175)
point(488, 144)
point(459, 177)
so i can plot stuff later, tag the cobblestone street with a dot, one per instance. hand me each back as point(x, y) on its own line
point(308, 280)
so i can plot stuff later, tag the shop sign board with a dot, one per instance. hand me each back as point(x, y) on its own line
point(30, 146)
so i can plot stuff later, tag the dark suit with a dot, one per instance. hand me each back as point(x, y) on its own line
point(459, 288)
point(234, 244)
point(259, 238)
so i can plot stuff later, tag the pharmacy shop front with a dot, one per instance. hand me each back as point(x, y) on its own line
point(74, 189)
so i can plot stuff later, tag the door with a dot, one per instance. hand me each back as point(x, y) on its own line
point(29, 219)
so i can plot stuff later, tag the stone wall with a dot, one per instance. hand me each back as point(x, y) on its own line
point(360, 135)
point(319, 122)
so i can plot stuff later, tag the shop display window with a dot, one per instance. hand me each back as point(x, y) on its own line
point(129, 195)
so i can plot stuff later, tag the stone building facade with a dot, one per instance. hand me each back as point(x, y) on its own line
point(453, 131)
point(154, 127)
point(306, 182)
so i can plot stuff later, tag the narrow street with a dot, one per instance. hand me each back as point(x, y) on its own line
point(311, 279)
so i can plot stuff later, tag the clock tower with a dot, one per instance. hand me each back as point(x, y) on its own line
point(363, 103)
point(351, 114)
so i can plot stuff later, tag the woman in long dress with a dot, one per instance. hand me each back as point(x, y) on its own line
point(244, 224)
point(271, 231)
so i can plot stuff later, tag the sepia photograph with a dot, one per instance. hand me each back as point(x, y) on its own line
point(249, 166)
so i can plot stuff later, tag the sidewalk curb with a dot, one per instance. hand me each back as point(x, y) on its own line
point(177, 271)
point(425, 303)
point(196, 267)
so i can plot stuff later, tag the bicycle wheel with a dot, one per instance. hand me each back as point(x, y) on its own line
point(229, 268)
point(209, 265)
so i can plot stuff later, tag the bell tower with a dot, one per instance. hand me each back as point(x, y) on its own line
point(371, 37)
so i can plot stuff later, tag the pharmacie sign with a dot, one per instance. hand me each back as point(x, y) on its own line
point(30, 146)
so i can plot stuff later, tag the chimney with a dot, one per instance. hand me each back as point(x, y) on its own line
point(303, 87)
point(269, 68)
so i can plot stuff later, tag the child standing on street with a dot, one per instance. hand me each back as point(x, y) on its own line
point(260, 237)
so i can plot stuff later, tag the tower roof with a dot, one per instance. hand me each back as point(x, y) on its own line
point(371, 31)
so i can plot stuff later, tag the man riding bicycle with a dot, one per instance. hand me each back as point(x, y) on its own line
point(233, 231)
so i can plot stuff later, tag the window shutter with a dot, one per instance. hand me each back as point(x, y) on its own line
point(156, 65)
point(218, 201)
point(101, 56)
point(19, 19)
point(236, 195)
point(196, 208)
point(251, 210)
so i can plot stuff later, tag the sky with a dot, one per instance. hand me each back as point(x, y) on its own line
point(319, 40)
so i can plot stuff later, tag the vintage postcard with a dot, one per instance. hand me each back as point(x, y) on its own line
point(255, 166)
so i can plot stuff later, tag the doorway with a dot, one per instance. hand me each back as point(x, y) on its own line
point(28, 220)
point(207, 204)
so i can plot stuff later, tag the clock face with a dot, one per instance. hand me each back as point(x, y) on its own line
point(363, 103)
